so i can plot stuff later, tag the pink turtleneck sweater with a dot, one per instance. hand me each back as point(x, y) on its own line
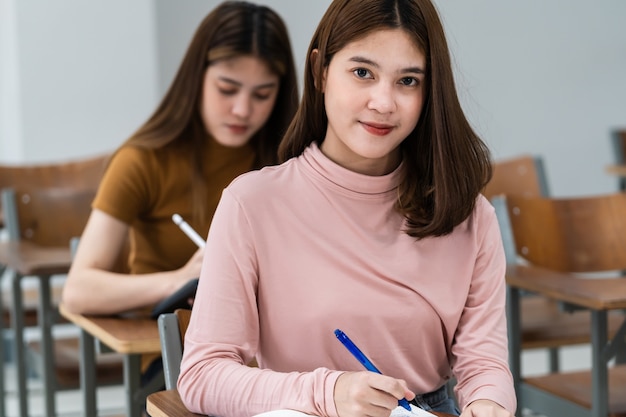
point(298, 250)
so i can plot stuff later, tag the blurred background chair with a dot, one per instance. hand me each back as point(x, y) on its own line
point(79, 173)
point(43, 207)
point(574, 250)
point(523, 174)
point(546, 324)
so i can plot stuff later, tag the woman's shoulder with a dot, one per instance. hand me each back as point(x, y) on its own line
point(148, 159)
point(265, 180)
point(482, 215)
point(130, 154)
point(483, 205)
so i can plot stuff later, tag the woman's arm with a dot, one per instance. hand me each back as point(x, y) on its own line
point(480, 349)
point(92, 287)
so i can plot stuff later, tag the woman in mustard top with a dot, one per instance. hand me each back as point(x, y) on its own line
point(224, 114)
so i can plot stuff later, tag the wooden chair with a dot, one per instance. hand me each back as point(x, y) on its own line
point(524, 174)
point(43, 207)
point(77, 173)
point(572, 240)
point(545, 323)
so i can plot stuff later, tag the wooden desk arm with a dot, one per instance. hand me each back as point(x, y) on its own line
point(592, 293)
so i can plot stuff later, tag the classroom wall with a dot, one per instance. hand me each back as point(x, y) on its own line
point(76, 76)
point(537, 77)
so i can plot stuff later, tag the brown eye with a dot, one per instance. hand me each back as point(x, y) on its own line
point(409, 81)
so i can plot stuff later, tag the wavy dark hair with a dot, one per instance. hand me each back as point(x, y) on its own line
point(232, 29)
point(446, 164)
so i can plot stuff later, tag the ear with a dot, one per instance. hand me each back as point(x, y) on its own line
point(316, 64)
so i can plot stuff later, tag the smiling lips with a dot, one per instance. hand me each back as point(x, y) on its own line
point(377, 129)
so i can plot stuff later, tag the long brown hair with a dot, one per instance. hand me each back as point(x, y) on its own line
point(446, 164)
point(232, 29)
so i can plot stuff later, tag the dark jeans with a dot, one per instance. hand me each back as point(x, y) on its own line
point(438, 400)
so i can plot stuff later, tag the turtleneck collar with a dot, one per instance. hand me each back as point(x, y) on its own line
point(349, 180)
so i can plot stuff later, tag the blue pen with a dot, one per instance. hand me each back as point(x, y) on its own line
point(356, 352)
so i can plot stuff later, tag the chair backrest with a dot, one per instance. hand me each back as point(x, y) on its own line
point(523, 175)
point(46, 216)
point(581, 234)
point(172, 329)
point(80, 173)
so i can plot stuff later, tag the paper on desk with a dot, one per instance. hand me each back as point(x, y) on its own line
point(396, 412)
point(415, 411)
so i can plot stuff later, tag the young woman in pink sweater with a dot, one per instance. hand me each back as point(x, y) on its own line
point(373, 224)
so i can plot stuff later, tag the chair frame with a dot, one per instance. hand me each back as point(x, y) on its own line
point(172, 327)
point(618, 142)
point(42, 257)
point(75, 174)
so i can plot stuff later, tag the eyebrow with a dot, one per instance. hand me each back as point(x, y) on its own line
point(238, 84)
point(363, 60)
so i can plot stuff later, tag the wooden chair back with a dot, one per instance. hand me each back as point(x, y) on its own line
point(183, 316)
point(80, 174)
point(46, 216)
point(582, 234)
point(523, 175)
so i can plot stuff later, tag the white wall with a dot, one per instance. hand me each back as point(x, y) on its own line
point(81, 76)
point(10, 118)
point(176, 25)
point(545, 77)
point(534, 77)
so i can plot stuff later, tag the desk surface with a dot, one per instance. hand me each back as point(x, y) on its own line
point(169, 404)
point(30, 259)
point(122, 334)
point(593, 293)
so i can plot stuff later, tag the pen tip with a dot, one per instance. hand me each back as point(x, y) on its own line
point(176, 217)
point(405, 404)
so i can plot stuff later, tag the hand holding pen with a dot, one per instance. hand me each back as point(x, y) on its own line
point(360, 356)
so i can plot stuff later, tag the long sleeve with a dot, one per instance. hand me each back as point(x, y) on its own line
point(480, 349)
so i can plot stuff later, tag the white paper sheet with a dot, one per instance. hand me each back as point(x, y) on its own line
point(396, 412)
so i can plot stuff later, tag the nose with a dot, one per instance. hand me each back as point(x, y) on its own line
point(382, 98)
point(242, 105)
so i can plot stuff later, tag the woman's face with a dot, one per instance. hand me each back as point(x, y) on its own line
point(374, 93)
point(238, 96)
